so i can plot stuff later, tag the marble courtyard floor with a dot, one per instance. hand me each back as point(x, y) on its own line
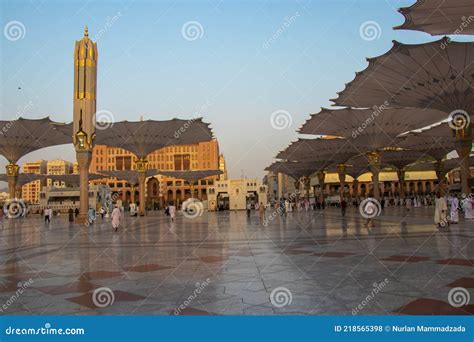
point(225, 264)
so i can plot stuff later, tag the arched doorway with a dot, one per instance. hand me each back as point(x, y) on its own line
point(179, 198)
point(153, 193)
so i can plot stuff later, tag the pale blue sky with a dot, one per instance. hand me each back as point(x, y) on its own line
point(236, 72)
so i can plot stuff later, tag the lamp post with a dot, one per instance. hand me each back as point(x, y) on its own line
point(84, 105)
point(12, 178)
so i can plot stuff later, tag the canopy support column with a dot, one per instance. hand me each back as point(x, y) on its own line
point(84, 158)
point(463, 149)
point(341, 171)
point(321, 175)
point(307, 185)
point(356, 189)
point(401, 182)
point(12, 179)
point(374, 166)
point(141, 165)
point(440, 174)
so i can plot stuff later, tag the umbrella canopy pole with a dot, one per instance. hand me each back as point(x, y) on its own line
point(321, 175)
point(401, 182)
point(142, 165)
point(341, 171)
point(12, 178)
point(374, 165)
point(463, 149)
point(83, 160)
point(441, 175)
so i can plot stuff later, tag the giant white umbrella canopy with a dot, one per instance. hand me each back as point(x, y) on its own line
point(297, 170)
point(437, 75)
point(21, 136)
point(191, 176)
point(144, 137)
point(300, 171)
point(369, 129)
point(24, 178)
point(333, 150)
point(439, 17)
point(130, 176)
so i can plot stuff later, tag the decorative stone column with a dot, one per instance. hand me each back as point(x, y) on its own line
point(401, 182)
point(307, 185)
point(12, 178)
point(374, 167)
point(355, 185)
point(142, 165)
point(341, 171)
point(132, 194)
point(84, 109)
point(83, 160)
point(321, 176)
point(441, 175)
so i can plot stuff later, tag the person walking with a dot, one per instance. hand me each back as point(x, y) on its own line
point(370, 208)
point(343, 207)
point(441, 208)
point(172, 211)
point(249, 208)
point(76, 212)
point(116, 216)
point(47, 215)
point(261, 212)
point(70, 215)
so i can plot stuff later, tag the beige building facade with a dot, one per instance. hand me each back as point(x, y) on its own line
point(30, 192)
point(235, 194)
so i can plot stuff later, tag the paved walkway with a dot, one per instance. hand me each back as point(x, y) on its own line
point(225, 264)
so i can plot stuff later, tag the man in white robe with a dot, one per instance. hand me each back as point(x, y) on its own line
point(116, 215)
point(441, 208)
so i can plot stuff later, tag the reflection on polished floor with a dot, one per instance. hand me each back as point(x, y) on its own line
point(226, 264)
